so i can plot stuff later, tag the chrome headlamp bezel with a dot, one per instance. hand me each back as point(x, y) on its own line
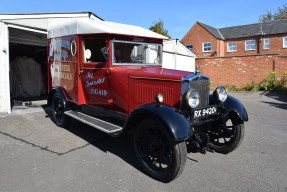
point(192, 98)
point(220, 94)
point(159, 98)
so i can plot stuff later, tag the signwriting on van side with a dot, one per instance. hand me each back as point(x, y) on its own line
point(98, 92)
point(60, 48)
point(62, 72)
point(96, 82)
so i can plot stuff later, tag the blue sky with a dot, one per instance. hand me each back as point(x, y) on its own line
point(178, 16)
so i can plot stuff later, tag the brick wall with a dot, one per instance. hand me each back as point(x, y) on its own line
point(239, 70)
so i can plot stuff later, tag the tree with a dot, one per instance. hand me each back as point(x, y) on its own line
point(158, 27)
point(281, 13)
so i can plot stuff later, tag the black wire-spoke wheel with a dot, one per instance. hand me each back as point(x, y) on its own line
point(158, 155)
point(228, 136)
point(58, 111)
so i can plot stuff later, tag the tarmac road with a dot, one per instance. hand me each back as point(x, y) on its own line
point(36, 155)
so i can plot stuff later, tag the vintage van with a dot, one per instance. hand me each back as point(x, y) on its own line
point(110, 76)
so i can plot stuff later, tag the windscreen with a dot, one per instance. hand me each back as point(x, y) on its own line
point(130, 53)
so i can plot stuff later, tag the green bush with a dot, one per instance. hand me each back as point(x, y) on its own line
point(272, 83)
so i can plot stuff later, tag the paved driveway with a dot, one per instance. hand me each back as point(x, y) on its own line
point(36, 155)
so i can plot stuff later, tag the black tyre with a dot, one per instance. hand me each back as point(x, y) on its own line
point(228, 136)
point(159, 157)
point(58, 110)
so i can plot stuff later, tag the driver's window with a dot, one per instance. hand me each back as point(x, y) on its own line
point(92, 50)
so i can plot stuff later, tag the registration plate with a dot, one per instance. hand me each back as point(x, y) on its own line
point(204, 112)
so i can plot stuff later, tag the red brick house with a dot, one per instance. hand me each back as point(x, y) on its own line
point(234, 56)
point(258, 38)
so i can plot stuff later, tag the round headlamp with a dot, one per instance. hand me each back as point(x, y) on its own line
point(192, 98)
point(220, 94)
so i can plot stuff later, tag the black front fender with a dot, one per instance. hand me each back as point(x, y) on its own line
point(177, 125)
point(231, 105)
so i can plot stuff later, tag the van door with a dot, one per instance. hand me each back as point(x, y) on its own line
point(94, 71)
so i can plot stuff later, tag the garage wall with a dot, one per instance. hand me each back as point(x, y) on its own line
point(4, 70)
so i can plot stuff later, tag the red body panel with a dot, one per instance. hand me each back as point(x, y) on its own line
point(63, 66)
point(158, 73)
point(143, 91)
point(147, 82)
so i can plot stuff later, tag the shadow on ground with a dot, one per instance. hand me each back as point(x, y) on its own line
point(281, 97)
point(121, 146)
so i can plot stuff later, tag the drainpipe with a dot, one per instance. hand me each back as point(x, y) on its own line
point(258, 44)
point(260, 38)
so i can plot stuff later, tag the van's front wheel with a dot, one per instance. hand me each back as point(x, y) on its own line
point(228, 136)
point(158, 155)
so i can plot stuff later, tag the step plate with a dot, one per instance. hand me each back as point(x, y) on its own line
point(94, 122)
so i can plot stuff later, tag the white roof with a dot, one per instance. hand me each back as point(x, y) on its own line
point(43, 21)
point(60, 24)
point(176, 47)
point(96, 26)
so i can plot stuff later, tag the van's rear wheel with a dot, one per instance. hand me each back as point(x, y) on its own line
point(159, 157)
point(58, 111)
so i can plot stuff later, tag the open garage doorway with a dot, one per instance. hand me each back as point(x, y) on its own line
point(21, 32)
point(28, 66)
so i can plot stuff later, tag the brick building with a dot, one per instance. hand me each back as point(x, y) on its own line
point(234, 56)
point(258, 38)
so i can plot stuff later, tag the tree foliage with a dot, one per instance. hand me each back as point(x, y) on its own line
point(158, 27)
point(281, 13)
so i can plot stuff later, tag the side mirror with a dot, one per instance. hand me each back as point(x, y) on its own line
point(105, 53)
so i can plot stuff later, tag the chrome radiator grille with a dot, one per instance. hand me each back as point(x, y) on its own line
point(202, 86)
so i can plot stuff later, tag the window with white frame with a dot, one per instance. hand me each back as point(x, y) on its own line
point(284, 42)
point(206, 47)
point(266, 43)
point(250, 45)
point(232, 47)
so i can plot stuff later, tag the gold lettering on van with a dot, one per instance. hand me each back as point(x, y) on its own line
point(64, 72)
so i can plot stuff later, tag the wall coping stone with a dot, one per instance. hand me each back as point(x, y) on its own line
point(253, 55)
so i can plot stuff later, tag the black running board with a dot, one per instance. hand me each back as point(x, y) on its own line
point(104, 126)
